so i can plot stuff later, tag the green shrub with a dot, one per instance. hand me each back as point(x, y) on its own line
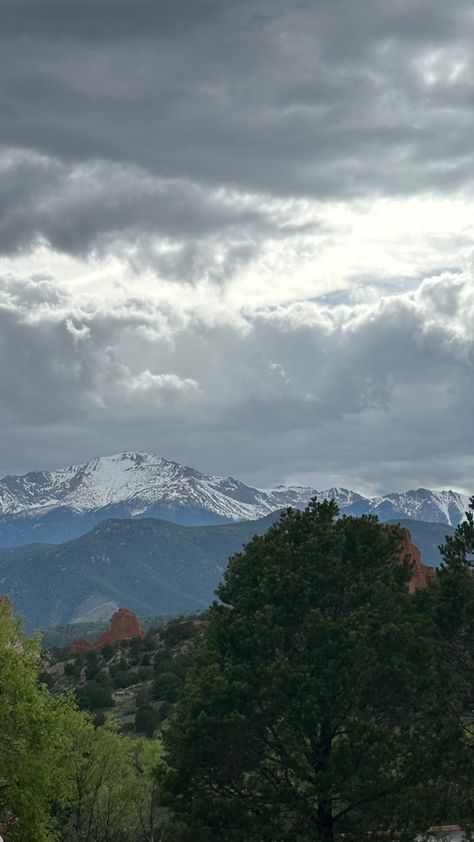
point(177, 633)
point(147, 720)
point(124, 679)
point(73, 669)
point(93, 696)
point(166, 687)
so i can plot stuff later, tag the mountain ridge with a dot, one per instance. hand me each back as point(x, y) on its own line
point(54, 506)
point(152, 566)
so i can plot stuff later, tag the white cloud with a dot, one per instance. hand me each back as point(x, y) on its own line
point(281, 379)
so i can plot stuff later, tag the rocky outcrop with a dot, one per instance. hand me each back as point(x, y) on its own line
point(422, 573)
point(123, 625)
point(80, 644)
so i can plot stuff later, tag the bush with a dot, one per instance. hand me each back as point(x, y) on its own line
point(73, 669)
point(124, 679)
point(107, 651)
point(166, 709)
point(177, 633)
point(47, 679)
point(166, 687)
point(147, 720)
point(93, 695)
point(144, 674)
point(143, 697)
point(120, 666)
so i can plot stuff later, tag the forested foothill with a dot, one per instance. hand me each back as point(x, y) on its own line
point(322, 700)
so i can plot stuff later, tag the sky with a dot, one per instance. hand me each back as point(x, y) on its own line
point(240, 234)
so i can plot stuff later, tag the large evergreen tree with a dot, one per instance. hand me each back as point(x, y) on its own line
point(317, 710)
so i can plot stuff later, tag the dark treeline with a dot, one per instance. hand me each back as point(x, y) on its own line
point(325, 701)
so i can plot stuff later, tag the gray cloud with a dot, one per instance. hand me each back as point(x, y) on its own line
point(174, 226)
point(316, 100)
point(312, 389)
point(199, 140)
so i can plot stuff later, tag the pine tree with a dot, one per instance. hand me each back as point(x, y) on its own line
point(317, 710)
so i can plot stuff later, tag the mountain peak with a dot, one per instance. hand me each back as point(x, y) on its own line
point(63, 503)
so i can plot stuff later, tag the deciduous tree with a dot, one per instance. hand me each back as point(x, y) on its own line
point(37, 732)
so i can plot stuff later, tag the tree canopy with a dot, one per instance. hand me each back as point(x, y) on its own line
point(36, 739)
point(321, 705)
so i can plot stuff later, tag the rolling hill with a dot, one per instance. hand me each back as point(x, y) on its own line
point(149, 565)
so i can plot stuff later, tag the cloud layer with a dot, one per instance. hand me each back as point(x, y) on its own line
point(239, 234)
point(303, 388)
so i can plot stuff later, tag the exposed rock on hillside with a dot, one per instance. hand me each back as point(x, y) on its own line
point(422, 573)
point(123, 625)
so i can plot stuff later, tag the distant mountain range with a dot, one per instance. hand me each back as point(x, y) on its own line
point(56, 506)
point(151, 566)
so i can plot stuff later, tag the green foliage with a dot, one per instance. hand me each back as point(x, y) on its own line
point(107, 651)
point(94, 695)
point(67, 777)
point(37, 732)
point(178, 632)
point(144, 674)
point(458, 549)
point(147, 720)
point(124, 679)
point(143, 697)
point(166, 687)
point(320, 702)
point(115, 796)
point(73, 669)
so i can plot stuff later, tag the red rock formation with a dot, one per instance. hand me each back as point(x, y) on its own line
point(422, 573)
point(123, 625)
point(80, 644)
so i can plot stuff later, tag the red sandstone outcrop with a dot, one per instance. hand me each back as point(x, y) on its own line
point(80, 644)
point(123, 625)
point(422, 573)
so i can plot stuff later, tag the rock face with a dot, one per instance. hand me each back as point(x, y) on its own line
point(123, 626)
point(422, 573)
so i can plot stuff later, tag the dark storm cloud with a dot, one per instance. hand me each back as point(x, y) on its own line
point(107, 20)
point(326, 99)
point(98, 207)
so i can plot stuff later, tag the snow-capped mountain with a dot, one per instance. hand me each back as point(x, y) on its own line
point(61, 504)
point(136, 480)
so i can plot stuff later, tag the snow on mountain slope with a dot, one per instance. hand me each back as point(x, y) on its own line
point(141, 481)
point(138, 479)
